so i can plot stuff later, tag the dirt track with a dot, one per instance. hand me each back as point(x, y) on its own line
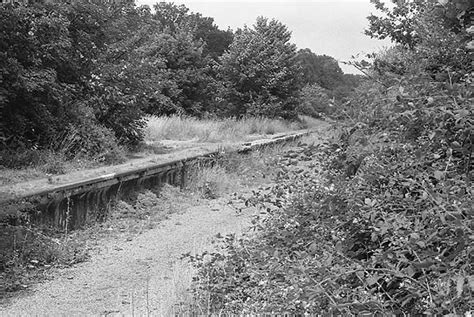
point(138, 277)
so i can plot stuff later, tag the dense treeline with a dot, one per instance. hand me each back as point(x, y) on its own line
point(79, 78)
point(385, 226)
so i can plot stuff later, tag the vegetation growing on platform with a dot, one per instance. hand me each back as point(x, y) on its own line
point(79, 79)
point(220, 130)
point(29, 251)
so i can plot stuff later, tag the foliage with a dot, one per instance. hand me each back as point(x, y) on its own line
point(319, 69)
point(259, 72)
point(45, 71)
point(78, 78)
point(32, 94)
point(173, 17)
point(314, 101)
point(380, 221)
point(386, 227)
point(401, 21)
point(323, 71)
point(67, 66)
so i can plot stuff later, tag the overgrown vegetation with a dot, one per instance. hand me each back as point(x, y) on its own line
point(78, 79)
point(378, 221)
point(220, 130)
point(26, 253)
point(29, 252)
point(381, 222)
point(161, 135)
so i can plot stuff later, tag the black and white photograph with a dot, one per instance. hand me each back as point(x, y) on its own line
point(236, 158)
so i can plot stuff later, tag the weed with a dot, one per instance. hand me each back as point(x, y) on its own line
point(26, 252)
point(211, 182)
point(204, 130)
point(24, 259)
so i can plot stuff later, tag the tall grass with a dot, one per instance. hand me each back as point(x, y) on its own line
point(217, 130)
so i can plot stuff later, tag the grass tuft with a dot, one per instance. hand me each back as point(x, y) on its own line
point(205, 130)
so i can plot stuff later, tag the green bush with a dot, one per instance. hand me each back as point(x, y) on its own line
point(314, 101)
point(385, 226)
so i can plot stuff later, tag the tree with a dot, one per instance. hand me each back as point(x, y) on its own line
point(401, 22)
point(320, 69)
point(35, 48)
point(314, 101)
point(176, 18)
point(432, 33)
point(259, 72)
point(51, 58)
point(323, 72)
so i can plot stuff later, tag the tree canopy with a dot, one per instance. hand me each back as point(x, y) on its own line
point(320, 69)
point(259, 72)
point(86, 74)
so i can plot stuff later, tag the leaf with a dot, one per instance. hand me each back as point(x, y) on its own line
point(470, 280)
point(372, 280)
point(329, 260)
point(459, 285)
point(418, 154)
point(339, 246)
point(439, 175)
point(410, 271)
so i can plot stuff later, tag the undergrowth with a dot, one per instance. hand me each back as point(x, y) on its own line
point(381, 221)
point(22, 165)
point(218, 130)
point(28, 252)
point(382, 224)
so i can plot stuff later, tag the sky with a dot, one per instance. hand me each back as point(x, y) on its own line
point(334, 28)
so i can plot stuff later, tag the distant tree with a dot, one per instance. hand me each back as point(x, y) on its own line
point(178, 17)
point(320, 69)
point(217, 41)
point(314, 101)
point(259, 72)
point(353, 80)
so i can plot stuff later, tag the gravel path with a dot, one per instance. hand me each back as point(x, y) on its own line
point(144, 276)
point(139, 277)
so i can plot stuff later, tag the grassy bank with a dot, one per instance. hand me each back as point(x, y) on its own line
point(219, 130)
point(16, 167)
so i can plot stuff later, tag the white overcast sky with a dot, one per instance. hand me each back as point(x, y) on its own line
point(335, 28)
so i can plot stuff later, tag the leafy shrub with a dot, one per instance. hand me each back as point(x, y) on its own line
point(146, 200)
point(394, 237)
point(384, 226)
point(26, 252)
point(95, 141)
point(314, 101)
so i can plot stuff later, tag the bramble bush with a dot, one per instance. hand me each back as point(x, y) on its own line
point(381, 221)
point(385, 226)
